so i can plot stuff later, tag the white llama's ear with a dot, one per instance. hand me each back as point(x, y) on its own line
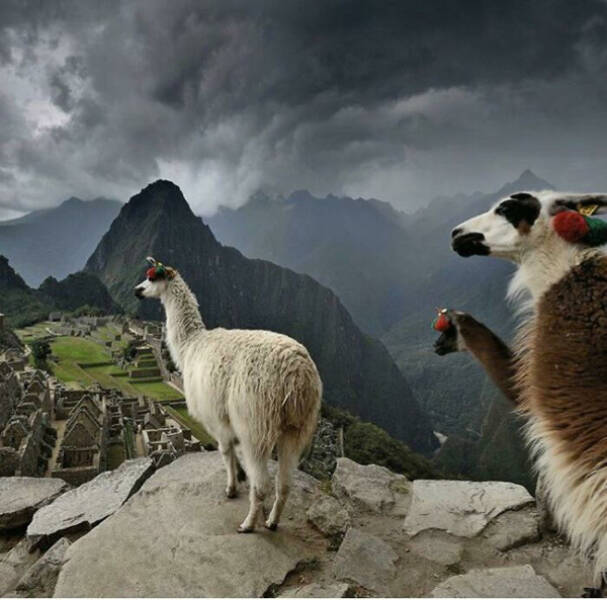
point(586, 204)
point(151, 260)
point(170, 272)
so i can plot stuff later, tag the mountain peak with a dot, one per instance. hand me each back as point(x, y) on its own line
point(527, 180)
point(72, 202)
point(161, 195)
point(300, 196)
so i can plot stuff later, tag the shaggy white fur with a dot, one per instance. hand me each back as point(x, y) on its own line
point(253, 391)
point(576, 497)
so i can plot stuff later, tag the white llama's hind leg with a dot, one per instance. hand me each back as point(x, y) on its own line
point(289, 450)
point(256, 468)
point(226, 447)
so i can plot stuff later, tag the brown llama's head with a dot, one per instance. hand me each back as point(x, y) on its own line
point(521, 223)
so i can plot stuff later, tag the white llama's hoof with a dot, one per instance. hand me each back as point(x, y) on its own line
point(245, 529)
point(271, 526)
point(231, 492)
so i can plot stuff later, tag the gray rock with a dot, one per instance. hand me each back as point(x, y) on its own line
point(462, 508)
point(318, 590)
point(13, 564)
point(177, 537)
point(438, 547)
point(21, 497)
point(505, 582)
point(329, 517)
point(371, 487)
point(513, 528)
point(40, 579)
point(365, 560)
point(90, 503)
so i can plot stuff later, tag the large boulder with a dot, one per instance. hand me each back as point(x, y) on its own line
point(13, 565)
point(461, 508)
point(40, 579)
point(365, 560)
point(329, 517)
point(90, 503)
point(371, 487)
point(177, 537)
point(21, 497)
point(502, 582)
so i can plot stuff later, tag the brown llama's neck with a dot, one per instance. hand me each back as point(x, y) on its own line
point(491, 352)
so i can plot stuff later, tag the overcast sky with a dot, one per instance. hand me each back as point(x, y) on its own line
point(400, 100)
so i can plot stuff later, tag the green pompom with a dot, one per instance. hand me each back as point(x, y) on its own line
point(597, 233)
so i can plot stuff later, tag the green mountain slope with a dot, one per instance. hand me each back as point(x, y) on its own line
point(23, 305)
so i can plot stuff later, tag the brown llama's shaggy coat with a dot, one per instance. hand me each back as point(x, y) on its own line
point(563, 388)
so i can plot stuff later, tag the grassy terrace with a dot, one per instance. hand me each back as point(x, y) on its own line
point(70, 353)
point(198, 431)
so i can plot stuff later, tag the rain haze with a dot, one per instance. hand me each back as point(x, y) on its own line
point(401, 101)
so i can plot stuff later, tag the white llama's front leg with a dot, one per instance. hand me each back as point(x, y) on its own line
point(289, 451)
point(259, 483)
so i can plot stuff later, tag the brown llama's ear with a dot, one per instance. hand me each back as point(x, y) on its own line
point(585, 204)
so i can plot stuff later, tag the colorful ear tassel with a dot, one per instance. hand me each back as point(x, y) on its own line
point(576, 228)
point(441, 322)
point(157, 272)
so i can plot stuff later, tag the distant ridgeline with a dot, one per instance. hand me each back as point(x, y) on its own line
point(23, 305)
point(55, 241)
point(234, 291)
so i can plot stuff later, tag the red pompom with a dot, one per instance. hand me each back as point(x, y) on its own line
point(570, 225)
point(442, 322)
point(151, 273)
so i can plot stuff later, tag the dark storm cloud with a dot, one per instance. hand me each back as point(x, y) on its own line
point(400, 100)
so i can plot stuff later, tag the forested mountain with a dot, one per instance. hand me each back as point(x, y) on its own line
point(23, 305)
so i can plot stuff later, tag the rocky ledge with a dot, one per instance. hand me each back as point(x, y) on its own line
point(367, 532)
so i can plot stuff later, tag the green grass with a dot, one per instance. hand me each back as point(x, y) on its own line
point(158, 390)
point(79, 350)
point(198, 431)
point(28, 334)
point(129, 440)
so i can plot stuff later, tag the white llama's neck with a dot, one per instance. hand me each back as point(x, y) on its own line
point(183, 318)
point(541, 267)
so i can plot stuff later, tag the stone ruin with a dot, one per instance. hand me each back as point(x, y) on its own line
point(26, 436)
point(83, 451)
point(164, 438)
point(99, 418)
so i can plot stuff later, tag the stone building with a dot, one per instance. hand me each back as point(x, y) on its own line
point(26, 437)
point(83, 451)
point(10, 392)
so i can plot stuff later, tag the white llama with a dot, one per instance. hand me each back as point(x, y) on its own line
point(253, 390)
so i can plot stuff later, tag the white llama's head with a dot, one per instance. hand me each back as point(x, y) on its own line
point(523, 222)
point(157, 280)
